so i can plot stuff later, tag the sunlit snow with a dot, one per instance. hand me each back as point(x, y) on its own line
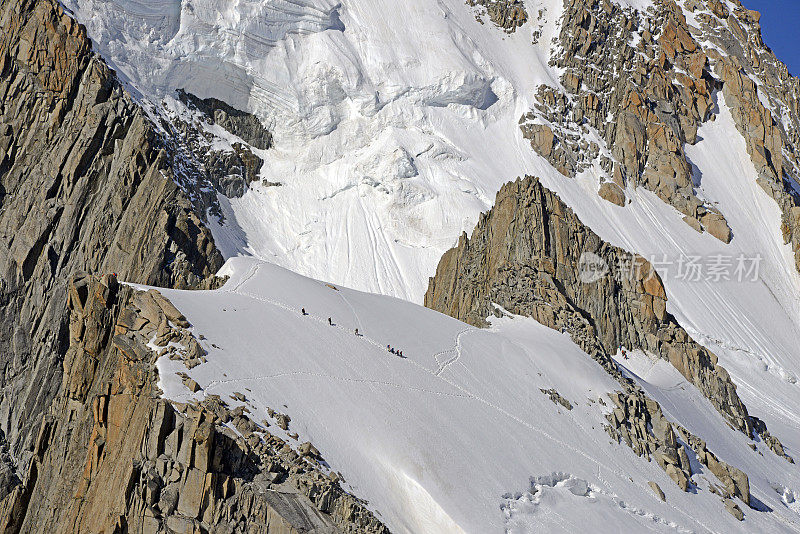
point(457, 436)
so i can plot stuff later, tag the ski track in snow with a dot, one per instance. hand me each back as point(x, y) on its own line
point(456, 348)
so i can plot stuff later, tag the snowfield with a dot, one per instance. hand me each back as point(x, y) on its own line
point(457, 436)
point(752, 326)
point(393, 127)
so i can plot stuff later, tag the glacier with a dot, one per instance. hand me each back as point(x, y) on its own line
point(393, 128)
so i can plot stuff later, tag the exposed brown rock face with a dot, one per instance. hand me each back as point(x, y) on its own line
point(613, 193)
point(644, 83)
point(772, 137)
point(639, 422)
point(529, 255)
point(657, 490)
point(112, 456)
point(507, 14)
point(83, 187)
point(644, 96)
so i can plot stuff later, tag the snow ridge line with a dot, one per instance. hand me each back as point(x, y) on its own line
point(283, 306)
point(252, 272)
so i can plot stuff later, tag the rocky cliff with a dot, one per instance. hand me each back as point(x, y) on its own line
point(87, 184)
point(225, 165)
point(530, 255)
point(84, 186)
point(506, 14)
point(642, 82)
point(112, 456)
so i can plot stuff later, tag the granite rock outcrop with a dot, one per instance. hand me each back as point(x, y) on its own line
point(530, 255)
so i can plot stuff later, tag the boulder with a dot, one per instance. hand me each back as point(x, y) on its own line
point(734, 509)
point(307, 449)
point(677, 476)
point(542, 139)
point(283, 421)
point(657, 490)
point(169, 309)
point(684, 460)
point(694, 223)
point(736, 481)
point(613, 193)
point(716, 225)
point(148, 308)
point(193, 386)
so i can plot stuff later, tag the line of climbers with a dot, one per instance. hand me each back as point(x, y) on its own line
point(395, 351)
point(388, 347)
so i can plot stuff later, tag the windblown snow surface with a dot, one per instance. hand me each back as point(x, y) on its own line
point(457, 436)
point(395, 123)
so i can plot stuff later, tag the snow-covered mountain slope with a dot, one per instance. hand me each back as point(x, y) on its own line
point(751, 323)
point(457, 436)
point(393, 127)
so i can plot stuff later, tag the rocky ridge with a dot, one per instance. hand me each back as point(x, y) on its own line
point(638, 421)
point(506, 14)
point(124, 459)
point(239, 123)
point(637, 85)
point(530, 255)
point(88, 183)
point(228, 165)
point(750, 72)
point(84, 186)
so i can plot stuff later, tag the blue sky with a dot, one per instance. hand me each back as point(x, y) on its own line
point(780, 27)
